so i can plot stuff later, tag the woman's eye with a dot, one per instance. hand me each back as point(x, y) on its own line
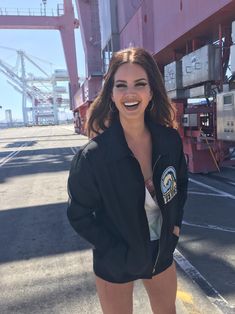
point(141, 84)
point(120, 86)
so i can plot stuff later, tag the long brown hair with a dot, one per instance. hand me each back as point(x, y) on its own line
point(101, 113)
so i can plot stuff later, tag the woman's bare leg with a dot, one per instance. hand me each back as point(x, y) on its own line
point(161, 290)
point(115, 298)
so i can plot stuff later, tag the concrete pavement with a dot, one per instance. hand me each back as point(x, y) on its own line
point(44, 266)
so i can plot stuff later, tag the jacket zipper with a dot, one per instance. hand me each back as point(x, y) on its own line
point(155, 264)
point(156, 162)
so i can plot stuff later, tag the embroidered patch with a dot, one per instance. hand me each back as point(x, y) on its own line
point(168, 184)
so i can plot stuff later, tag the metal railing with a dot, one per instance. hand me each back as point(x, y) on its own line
point(42, 11)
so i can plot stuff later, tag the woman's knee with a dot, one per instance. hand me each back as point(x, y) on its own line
point(161, 290)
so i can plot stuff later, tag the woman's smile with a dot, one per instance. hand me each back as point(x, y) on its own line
point(130, 105)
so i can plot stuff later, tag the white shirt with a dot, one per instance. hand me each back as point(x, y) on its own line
point(154, 215)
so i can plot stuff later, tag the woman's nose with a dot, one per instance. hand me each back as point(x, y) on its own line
point(131, 90)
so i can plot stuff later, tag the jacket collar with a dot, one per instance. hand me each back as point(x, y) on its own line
point(117, 147)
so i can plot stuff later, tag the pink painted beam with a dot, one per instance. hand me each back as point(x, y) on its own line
point(68, 40)
point(29, 22)
point(88, 14)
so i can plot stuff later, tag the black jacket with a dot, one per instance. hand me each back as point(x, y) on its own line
point(106, 201)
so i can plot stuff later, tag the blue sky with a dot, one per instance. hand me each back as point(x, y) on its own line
point(45, 45)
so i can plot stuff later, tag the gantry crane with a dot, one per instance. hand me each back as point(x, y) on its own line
point(42, 91)
point(64, 21)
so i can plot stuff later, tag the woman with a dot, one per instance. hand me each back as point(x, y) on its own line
point(128, 185)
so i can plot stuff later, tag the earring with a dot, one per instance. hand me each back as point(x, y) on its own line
point(151, 105)
point(112, 107)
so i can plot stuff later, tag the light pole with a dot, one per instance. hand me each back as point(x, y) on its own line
point(44, 5)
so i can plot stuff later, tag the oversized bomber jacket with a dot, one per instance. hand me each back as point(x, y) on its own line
point(106, 201)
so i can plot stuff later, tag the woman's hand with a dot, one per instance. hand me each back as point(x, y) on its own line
point(176, 231)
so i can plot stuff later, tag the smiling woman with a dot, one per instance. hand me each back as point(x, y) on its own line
point(128, 185)
point(102, 111)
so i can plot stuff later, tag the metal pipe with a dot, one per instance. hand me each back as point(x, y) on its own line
point(221, 56)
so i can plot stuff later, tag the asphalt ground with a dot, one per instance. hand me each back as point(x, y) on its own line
point(45, 267)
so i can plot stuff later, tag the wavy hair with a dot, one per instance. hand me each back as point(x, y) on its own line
point(101, 114)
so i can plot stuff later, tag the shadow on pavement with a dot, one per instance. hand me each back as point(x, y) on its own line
point(30, 162)
point(208, 253)
point(37, 231)
point(18, 144)
point(58, 294)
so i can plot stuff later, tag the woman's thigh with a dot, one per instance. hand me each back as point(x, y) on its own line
point(161, 290)
point(115, 298)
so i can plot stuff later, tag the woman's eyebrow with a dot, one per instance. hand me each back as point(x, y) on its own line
point(141, 79)
point(120, 81)
point(123, 81)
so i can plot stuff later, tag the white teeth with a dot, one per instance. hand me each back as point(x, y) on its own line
point(129, 104)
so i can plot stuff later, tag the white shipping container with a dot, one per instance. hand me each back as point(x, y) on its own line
point(201, 65)
point(60, 89)
point(232, 58)
point(233, 32)
point(61, 73)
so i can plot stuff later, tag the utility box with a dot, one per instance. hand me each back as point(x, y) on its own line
point(189, 120)
point(173, 75)
point(226, 116)
point(201, 66)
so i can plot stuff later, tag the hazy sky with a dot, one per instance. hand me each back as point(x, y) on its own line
point(45, 45)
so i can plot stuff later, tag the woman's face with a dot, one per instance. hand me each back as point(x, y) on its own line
point(131, 91)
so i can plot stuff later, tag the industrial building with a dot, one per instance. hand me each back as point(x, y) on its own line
point(193, 43)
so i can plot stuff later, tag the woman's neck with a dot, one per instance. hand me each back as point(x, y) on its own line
point(134, 130)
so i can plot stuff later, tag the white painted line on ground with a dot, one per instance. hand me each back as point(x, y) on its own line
point(212, 294)
point(7, 156)
point(212, 188)
point(203, 193)
point(212, 227)
point(11, 155)
point(73, 150)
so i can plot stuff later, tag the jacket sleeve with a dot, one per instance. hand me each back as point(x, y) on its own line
point(84, 201)
point(182, 183)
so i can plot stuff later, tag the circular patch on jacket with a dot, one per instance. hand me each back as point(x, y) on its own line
point(168, 184)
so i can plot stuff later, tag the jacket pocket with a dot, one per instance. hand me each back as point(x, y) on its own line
point(112, 263)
